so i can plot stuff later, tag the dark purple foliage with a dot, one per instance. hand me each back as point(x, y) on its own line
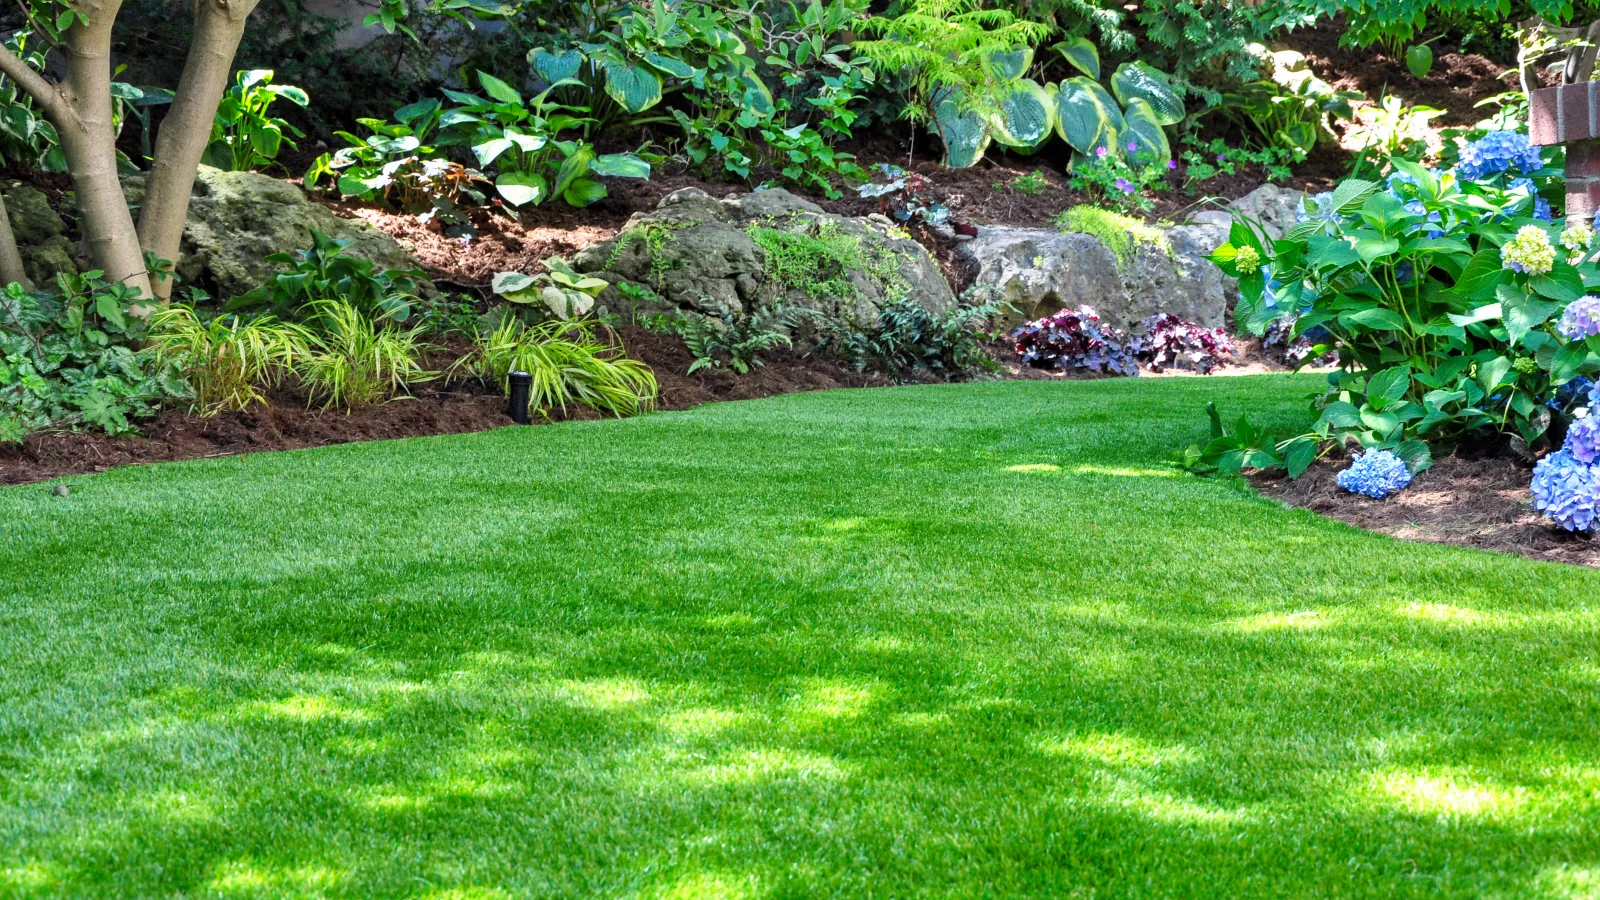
point(1169, 342)
point(1075, 339)
point(1279, 340)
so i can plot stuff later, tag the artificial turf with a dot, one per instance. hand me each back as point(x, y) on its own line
point(975, 640)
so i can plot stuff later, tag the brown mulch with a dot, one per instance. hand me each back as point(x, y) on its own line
point(1481, 503)
point(286, 424)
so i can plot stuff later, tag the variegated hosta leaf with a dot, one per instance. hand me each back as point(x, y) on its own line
point(635, 88)
point(1027, 116)
point(1011, 63)
point(670, 65)
point(574, 167)
point(1145, 134)
point(1086, 116)
point(519, 188)
point(620, 165)
point(757, 98)
point(1083, 55)
point(1135, 80)
point(553, 66)
point(964, 132)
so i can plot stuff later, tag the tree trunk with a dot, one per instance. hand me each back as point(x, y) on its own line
point(10, 257)
point(186, 129)
point(89, 143)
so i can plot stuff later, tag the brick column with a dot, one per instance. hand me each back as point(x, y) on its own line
point(1570, 115)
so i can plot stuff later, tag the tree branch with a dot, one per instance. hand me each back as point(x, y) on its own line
point(47, 95)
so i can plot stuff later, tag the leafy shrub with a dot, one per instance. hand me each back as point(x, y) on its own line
point(1205, 160)
point(735, 341)
point(906, 339)
point(1075, 340)
point(352, 360)
point(1289, 110)
point(569, 364)
point(906, 196)
point(1118, 181)
point(1169, 342)
point(72, 359)
point(324, 272)
point(227, 360)
point(245, 135)
point(807, 159)
point(1443, 293)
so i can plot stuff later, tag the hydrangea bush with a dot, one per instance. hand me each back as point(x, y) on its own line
point(1075, 339)
point(1375, 473)
point(1456, 306)
point(1168, 342)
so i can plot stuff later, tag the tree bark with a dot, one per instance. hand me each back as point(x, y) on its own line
point(186, 129)
point(10, 257)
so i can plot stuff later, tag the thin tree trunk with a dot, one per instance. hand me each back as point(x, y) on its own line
point(186, 129)
point(89, 143)
point(11, 269)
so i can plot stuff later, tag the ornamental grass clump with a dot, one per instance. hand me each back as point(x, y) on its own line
point(1075, 339)
point(1375, 474)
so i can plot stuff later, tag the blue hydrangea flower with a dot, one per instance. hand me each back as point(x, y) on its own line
point(1376, 474)
point(1541, 209)
point(1583, 440)
point(1570, 393)
point(1581, 319)
point(1566, 490)
point(1497, 152)
point(1320, 208)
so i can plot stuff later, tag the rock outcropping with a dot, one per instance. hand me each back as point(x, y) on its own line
point(752, 251)
point(1040, 271)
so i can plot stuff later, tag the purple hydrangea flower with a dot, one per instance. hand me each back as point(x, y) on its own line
point(1541, 209)
point(1566, 490)
point(1583, 440)
point(1497, 152)
point(1581, 319)
point(1376, 474)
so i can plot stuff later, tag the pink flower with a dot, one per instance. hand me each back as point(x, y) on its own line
point(1101, 152)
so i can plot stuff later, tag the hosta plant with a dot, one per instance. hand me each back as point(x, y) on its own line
point(1075, 340)
point(325, 272)
point(1446, 295)
point(565, 293)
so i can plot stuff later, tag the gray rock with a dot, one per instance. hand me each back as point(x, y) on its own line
point(33, 220)
point(1039, 272)
point(237, 219)
point(698, 253)
point(1274, 207)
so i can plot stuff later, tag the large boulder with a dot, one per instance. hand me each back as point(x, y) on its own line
point(237, 219)
point(1272, 206)
point(41, 234)
point(744, 253)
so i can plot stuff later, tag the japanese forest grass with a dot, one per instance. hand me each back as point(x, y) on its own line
point(956, 641)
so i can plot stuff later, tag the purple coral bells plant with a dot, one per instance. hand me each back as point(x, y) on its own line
point(1075, 339)
point(1581, 319)
point(1171, 342)
point(1376, 474)
point(1566, 490)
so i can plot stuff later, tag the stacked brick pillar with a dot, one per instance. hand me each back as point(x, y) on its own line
point(1570, 115)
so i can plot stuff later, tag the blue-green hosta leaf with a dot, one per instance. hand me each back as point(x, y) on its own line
point(635, 88)
point(1143, 130)
point(1137, 81)
point(1027, 116)
point(1008, 64)
point(670, 65)
point(553, 66)
point(964, 133)
point(519, 188)
point(584, 191)
point(574, 167)
point(1083, 55)
point(757, 97)
point(1086, 116)
point(498, 89)
point(421, 110)
point(620, 165)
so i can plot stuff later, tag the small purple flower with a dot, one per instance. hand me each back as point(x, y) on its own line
point(1581, 320)
point(1221, 158)
point(1132, 147)
point(1172, 165)
point(1124, 185)
point(1101, 152)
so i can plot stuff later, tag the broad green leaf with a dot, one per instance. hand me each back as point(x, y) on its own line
point(1482, 274)
point(1008, 64)
point(1086, 116)
point(584, 191)
point(635, 88)
point(291, 93)
point(1370, 249)
point(1493, 372)
point(1027, 116)
point(1144, 132)
point(498, 89)
point(553, 66)
point(519, 188)
point(1299, 457)
point(757, 97)
point(1340, 414)
point(1486, 313)
point(1136, 80)
point(110, 309)
point(1083, 55)
point(572, 168)
point(1382, 422)
point(620, 165)
point(1386, 387)
point(1352, 193)
point(964, 133)
point(490, 150)
point(1375, 318)
point(1563, 283)
point(1419, 60)
point(670, 65)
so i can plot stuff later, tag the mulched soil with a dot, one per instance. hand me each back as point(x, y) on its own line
point(286, 424)
point(1470, 502)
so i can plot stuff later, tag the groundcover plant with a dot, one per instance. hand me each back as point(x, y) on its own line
point(978, 640)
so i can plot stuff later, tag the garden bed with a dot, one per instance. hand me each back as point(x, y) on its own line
point(1480, 503)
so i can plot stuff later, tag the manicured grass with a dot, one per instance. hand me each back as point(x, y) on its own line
point(953, 641)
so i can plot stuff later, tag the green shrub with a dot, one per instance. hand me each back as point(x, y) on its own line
point(245, 135)
point(735, 341)
point(324, 272)
point(907, 339)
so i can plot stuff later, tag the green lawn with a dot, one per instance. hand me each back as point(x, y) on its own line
point(954, 641)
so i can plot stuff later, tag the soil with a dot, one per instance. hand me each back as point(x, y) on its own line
point(1470, 502)
point(286, 424)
